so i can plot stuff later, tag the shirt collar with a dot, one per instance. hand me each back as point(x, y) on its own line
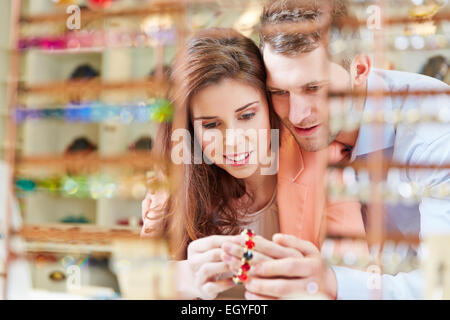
point(366, 142)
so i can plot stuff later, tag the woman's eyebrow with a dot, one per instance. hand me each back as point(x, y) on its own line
point(205, 118)
point(238, 110)
point(246, 106)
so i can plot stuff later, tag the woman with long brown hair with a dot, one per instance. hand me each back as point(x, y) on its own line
point(219, 82)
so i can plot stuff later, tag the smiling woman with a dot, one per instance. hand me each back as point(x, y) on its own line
point(233, 138)
point(245, 109)
point(222, 101)
point(222, 106)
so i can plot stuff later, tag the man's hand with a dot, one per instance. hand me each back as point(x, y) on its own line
point(267, 250)
point(284, 276)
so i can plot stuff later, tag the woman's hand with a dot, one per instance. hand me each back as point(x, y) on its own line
point(153, 213)
point(205, 275)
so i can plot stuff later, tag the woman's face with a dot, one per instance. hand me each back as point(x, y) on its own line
point(231, 116)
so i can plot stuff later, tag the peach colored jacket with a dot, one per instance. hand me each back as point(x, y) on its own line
point(303, 210)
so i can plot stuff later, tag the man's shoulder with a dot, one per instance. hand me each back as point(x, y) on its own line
point(417, 135)
point(401, 80)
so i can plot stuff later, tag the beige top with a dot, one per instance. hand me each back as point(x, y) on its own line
point(264, 223)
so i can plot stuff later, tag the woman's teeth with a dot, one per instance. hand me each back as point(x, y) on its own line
point(238, 158)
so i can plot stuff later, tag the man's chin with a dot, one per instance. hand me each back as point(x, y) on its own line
point(312, 145)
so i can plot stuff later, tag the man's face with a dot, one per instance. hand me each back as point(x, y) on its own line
point(299, 87)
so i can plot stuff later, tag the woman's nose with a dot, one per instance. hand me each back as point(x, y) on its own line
point(235, 139)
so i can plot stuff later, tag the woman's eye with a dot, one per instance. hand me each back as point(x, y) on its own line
point(211, 125)
point(248, 116)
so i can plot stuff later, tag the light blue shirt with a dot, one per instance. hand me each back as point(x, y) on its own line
point(413, 144)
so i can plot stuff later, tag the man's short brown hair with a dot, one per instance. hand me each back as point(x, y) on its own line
point(315, 17)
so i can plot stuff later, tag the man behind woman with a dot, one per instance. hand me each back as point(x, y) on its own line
point(220, 85)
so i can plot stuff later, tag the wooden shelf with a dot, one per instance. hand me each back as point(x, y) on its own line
point(75, 234)
point(163, 7)
point(83, 163)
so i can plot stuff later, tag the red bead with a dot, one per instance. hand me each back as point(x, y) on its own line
point(243, 277)
point(250, 244)
point(100, 3)
point(245, 267)
point(250, 233)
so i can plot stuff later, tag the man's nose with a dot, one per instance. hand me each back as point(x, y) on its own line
point(299, 109)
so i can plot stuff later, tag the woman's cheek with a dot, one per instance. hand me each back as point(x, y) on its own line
point(210, 149)
point(264, 137)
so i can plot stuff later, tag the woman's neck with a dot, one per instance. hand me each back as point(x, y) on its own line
point(261, 188)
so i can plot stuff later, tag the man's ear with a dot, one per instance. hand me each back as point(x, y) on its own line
point(360, 69)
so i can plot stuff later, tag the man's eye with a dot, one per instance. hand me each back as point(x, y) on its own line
point(211, 125)
point(278, 92)
point(313, 88)
point(248, 116)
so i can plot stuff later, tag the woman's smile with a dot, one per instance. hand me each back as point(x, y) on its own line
point(237, 160)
